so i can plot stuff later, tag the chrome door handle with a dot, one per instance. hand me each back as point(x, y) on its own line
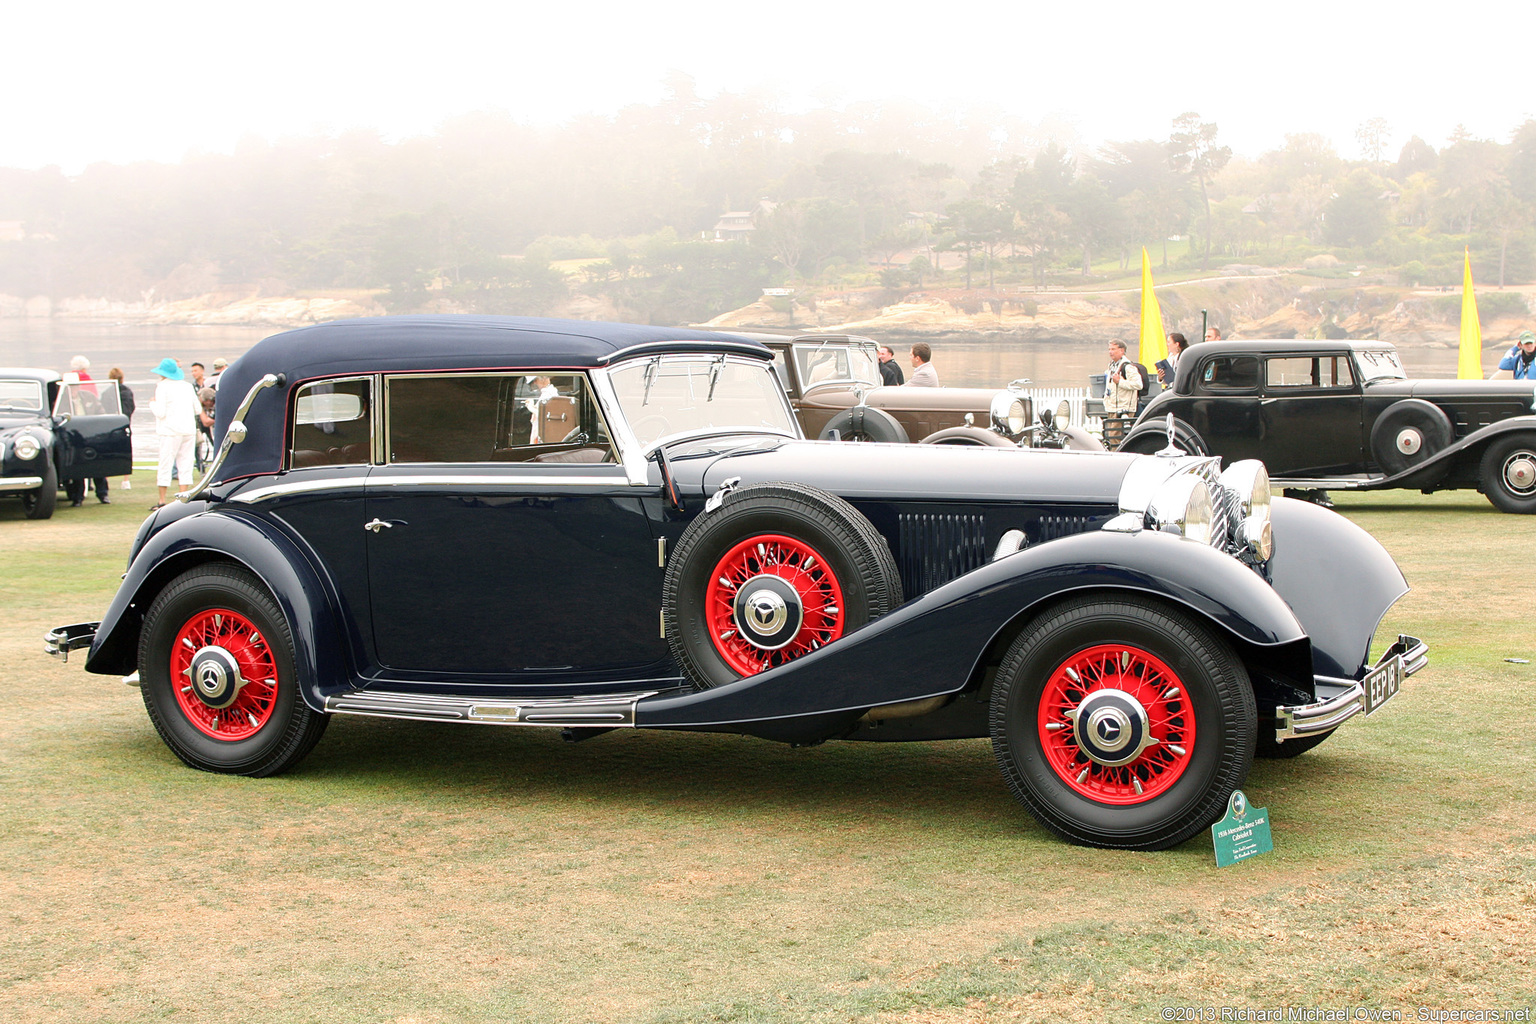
point(377, 525)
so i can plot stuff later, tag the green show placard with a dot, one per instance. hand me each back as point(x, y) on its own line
point(1243, 833)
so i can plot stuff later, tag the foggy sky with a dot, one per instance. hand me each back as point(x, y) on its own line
point(118, 82)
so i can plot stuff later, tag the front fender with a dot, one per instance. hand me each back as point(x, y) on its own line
point(938, 643)
point(1433, 469)
point(305, 600)
point(1185, 435)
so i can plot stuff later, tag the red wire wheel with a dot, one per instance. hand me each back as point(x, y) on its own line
point(801, 601)
point(1124, 677)
point(223, 637)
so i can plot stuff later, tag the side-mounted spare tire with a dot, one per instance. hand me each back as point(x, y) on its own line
point(1408, 433)
point(778, 571)
point(861, 423)
point(1151, 441)
point(973, 437)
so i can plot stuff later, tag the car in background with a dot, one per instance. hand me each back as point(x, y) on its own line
point(834, 385)
point(54, 431)
point(1343, 415)
point(587, 526)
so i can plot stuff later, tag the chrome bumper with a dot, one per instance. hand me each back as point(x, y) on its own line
point(59, 642)
point(20, 483)
point(1347, 697)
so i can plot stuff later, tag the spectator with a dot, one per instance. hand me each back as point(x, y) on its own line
point(197, 370)
point(219, 366)
point(206, 398)
point(890, 369)
point(1213, 333)
point(1122, 391)
point(129, 405)
point(79, 365)
point(923, 373)
point(1520, 361)
point(175, 407)
point(1165, 367)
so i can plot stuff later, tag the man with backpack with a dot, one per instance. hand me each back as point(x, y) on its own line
point(1125, 387)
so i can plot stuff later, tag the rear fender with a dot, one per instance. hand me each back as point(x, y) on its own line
point(305, 600)
point(941, 642)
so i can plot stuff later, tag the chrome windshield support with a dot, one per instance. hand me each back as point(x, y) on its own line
point(233, 435)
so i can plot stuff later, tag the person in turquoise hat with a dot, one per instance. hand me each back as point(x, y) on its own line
point(175, 407)
point(1520, 361)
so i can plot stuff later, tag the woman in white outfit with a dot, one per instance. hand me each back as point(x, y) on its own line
point(175, 407)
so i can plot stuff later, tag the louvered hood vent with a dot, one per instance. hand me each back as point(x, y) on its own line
point(938, 548)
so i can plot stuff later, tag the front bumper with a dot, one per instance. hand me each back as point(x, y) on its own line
point(20, 483)
point(1343, 699)
point(59, 642)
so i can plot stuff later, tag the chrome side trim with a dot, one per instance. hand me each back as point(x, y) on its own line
point(607, 710)
point(1298, 720)
point(20, 483)
point(59, 642)
point(254, 494)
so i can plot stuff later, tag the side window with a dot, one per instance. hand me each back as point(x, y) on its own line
point(495, 417)
point(1308, 372)
point(333, 424)
point(781, 367)
point(1231, 373)
point(1343, 371)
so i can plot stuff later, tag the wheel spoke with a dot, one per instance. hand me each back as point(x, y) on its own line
point(239, 639)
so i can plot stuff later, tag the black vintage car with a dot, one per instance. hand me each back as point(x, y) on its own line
point(53, 432)
point(1343, 415)
point(594, 526)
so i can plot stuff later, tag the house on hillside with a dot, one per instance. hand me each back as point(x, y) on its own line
point(737, 225)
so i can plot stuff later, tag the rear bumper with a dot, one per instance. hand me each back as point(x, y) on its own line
point(59, 642)
point(1343, 699)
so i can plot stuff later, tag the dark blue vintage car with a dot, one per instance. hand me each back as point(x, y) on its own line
point(54, 432)
point(1343, 415)
point(593, 526)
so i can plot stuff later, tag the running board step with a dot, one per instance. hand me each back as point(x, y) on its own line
point(604, 710)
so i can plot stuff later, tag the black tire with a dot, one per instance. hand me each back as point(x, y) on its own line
point(1408, 433)
point(826, 548)
point(974, 437)
point(39, 504)
point(1166, 793)
point(1507, 474)
point(861, 423)
point(1271, 749)
point(237, 604)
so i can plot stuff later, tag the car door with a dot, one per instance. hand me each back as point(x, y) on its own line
point(497, 552)
point(92, 434)
point(1311, 416)
point(1225, 406)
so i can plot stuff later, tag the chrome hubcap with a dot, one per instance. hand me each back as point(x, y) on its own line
point(1111, 727)
point(1520, 471)
point(1409, 441)
point(215, 676)
point(767, 612)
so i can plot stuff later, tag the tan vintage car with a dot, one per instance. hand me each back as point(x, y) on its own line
point(833, 382)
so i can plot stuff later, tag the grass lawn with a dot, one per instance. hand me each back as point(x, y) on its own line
point(430, 873)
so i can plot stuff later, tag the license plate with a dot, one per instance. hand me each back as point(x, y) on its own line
point(1382, 683)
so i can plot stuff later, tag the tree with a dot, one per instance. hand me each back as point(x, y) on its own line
point(1372, 136)
point(1192, 150)
point(1356, 215)
point(1416, 156)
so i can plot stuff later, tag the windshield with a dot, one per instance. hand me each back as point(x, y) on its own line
point(87, 398)
point(666, 395)
point(1380, 364)
point(21, 396)
point(837, 360)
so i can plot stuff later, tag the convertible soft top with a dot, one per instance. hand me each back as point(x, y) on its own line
point(429, 343)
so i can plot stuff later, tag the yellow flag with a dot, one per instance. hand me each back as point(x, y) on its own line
point(1469, 366)
point(1154, 341)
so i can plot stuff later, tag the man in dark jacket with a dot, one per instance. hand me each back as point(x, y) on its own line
point(890, 369)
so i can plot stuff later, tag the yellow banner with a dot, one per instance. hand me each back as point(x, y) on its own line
point(1154, 340)
point(1469, 365)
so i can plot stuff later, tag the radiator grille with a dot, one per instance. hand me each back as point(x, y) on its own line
point(938, 548)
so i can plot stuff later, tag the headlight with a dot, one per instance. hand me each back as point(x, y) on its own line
point(1183, 506)
point(1248, 484)
point(1010, 414)
point(1063, 415)
point(26, 447)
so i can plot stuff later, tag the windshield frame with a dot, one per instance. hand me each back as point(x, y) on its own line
point(1368, 364)
point(809, 348)
point(619, 414)
point(41, 410)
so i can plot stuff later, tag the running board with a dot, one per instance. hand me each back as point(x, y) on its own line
point(605, 710)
